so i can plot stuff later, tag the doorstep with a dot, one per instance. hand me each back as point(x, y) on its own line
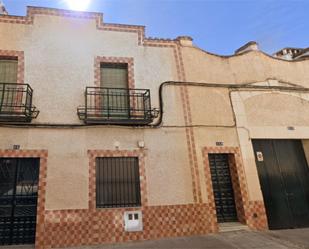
point(232, 226)
point(17, 247)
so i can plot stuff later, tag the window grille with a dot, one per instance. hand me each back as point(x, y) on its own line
point(117, 182)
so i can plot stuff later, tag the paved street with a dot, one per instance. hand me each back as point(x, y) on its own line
point(280, 239)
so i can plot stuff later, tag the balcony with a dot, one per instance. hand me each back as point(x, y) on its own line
point(16, 103)
point(116, 106)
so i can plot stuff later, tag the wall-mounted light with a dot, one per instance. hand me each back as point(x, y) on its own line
point(116, 144)
point(141, 144)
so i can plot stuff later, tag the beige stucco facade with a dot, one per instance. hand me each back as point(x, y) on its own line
point(59, 54)
point(258, 114)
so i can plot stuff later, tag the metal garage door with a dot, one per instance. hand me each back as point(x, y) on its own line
point(18, 200)
point(284, 178)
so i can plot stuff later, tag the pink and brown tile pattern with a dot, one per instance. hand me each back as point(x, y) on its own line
point(256, 215)
point(237, 189)
point(196, 184)
point(93, 154)
point(98, 17)
point(97, 75)
point(89, 227)
point(96, 226)
point(249, 212)
point(123, 60)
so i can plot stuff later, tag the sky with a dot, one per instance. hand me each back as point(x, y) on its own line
point(217, 26)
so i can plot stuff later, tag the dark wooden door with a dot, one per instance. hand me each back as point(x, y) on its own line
point(18, 200)
point(222, 187)
point(284, 178)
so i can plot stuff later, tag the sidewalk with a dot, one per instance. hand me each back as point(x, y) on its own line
point(279, 239)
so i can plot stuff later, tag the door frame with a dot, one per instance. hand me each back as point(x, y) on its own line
point(42, 155)
point(249, 212)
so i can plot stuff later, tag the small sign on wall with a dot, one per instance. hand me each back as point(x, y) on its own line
point(16, 146)
point(259, 156)
point(219, 143)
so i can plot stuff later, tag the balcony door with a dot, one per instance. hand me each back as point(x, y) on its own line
point(8, 75)
point(115, 97)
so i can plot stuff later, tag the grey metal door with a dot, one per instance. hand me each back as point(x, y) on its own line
point(222, 187)
point(284, 178)
point(18, 200)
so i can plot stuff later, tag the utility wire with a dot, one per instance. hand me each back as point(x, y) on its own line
point(158, 123)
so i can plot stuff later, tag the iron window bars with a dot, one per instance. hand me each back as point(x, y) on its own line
point(18, 200)
point(16, 103)
point(116, 106)
point(117, 182)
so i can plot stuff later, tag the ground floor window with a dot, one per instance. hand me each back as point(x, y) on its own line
point(117, 182)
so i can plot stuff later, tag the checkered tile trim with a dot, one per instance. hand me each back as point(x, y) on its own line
point(102, 59)
point(96, 226)
point(175, 45)
point(98, 17)
point(256, 215)
point(42, 154)
point(196, 187)
point(89, 227)
point(97, 74)
point(93, 154)
point(20, 64)
point(237, 189)
point(249, 212)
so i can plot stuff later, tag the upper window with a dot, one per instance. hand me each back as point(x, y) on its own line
point(117, 182)
point(114, 75)
point(8, 70)
point(115, 98)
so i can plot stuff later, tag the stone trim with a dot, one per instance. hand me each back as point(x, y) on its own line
point(19, 55)
point(42, 154)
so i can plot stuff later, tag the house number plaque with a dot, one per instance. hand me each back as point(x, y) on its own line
point(259, 156)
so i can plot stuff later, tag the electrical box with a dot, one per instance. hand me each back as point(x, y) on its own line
point(133, 221)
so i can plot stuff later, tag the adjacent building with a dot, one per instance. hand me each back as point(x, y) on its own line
point(109, 136)
point(292, 53)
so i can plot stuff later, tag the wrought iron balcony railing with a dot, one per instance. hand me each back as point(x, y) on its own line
point(16, 103)
point(116, 106)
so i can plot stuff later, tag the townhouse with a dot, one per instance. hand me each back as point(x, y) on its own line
point(109, 136)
